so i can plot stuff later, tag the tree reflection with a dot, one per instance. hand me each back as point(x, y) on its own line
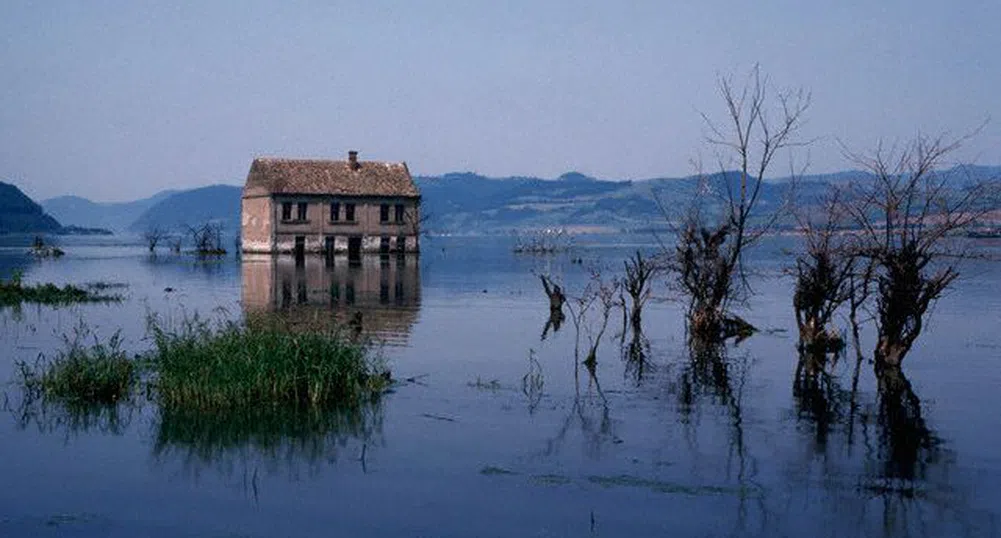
point(589, 412)
point(636, 355)
point(907, 445)
point(553, 323)
point(711, 374)
point(884, 440)
point(820, 399)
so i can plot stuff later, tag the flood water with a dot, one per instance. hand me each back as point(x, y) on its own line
point(492, 429)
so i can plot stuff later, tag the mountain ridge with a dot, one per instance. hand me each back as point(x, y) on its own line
point(469, 202)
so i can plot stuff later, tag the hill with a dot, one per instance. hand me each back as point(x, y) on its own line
point(81, 212)
point(217, 203)
point(471, 203)
point(20, 214)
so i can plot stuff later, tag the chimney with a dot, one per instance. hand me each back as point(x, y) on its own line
point(353, 160)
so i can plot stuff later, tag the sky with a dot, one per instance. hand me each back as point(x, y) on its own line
point(116, 101)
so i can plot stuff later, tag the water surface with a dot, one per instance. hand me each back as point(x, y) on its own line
point(493, 430)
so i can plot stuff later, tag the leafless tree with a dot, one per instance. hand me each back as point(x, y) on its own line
point(825, 273)
point(708, 257)
point(207, 238)
point(639, 274)
point(153, 236)
point(590, 310)
point(908, 212)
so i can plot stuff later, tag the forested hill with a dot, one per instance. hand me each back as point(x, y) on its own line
point(20, 214)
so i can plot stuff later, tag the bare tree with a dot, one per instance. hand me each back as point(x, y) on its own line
point(708, 258)
point(207, 238)
point(908, 212)
point(639, 273)
point(824, 274)
point(153, 236)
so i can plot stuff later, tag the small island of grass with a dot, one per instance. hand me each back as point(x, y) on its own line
point(81, 375)
point(236, 365)
point(13, 292)
point(216, 369)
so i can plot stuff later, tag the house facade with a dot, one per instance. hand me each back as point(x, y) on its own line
point(324, 206)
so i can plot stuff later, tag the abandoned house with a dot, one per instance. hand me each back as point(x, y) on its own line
point(322, 206)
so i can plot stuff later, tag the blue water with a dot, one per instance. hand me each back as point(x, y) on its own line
point(462, 448)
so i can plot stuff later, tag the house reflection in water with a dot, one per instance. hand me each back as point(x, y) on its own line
point(382, 292)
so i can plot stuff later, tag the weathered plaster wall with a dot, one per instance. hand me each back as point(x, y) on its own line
point(256, 224)
point(317, 226)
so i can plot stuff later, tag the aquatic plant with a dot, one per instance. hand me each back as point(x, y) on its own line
point(101, 373)
point(13, 292)
point(213, 367)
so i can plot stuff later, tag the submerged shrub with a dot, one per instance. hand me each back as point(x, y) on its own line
point(227, 366)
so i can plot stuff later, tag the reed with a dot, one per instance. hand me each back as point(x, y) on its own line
point(220, 367)
point(101, 373)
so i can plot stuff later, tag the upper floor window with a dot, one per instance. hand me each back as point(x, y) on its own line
point(335, 212)
point(384, 213)
point(399, 213)
point(287, 211)
point(349, 212)
point(301, 210)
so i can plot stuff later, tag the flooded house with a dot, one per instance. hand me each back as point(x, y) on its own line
point(351, 207)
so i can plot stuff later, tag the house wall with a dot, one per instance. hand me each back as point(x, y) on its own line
point(367, 224)
point(256, 224)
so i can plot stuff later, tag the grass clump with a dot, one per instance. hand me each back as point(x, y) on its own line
point(231, 366)
point(81, 375)
point(13, 292)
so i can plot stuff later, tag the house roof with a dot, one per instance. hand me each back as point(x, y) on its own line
point(315, 176)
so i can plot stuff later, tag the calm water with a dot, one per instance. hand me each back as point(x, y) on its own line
point(492, 431)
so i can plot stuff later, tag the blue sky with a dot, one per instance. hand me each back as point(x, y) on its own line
point(118, 100)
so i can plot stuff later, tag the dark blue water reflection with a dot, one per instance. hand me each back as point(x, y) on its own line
point(493, 431)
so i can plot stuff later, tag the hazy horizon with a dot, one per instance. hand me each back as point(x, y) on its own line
point(116, 101)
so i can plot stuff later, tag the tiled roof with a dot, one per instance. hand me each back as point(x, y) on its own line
point(314, 176)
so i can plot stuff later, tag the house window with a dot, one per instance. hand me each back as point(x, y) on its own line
point(349, 212)
point(401, 244)
point(287, 211)
point(399, 213)
point(335, 212)
point(384, 213)
point(301, 210)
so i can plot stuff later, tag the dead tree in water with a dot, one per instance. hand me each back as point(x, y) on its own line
point(824, 278)
point(708, 258)
point(153, 236)
point(639, 273)
point(207, 238)
point(907, 212)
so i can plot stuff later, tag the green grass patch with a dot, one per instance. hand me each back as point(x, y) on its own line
point(14, 292)
point(206, 367)
point(81, 375)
